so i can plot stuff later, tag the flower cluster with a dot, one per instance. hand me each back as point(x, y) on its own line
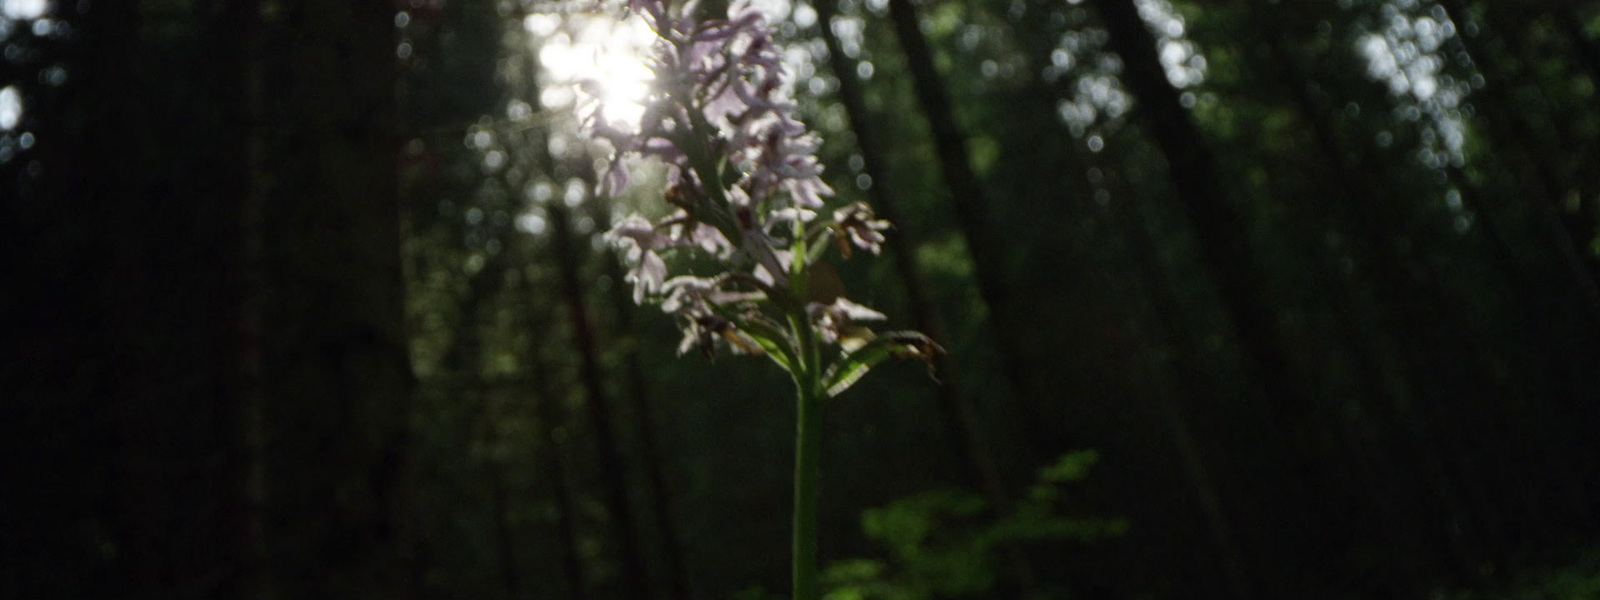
point(744, 187)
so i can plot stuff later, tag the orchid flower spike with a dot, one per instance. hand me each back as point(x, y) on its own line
point(745, 189)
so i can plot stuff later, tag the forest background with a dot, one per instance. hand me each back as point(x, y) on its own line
point(1242, 298)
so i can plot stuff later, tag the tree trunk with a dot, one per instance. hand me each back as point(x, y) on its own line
point(644, 424)
point(971, 206)
point(1192, 382)
point(1219, 225)
point(238, 47)
point(334, 352)
point(551, 416)
point(636, 579)
point(1535, 168)
point(962, 425)
point(120, 361)
point(1539, 432)
point(636, 576)
point(961, 421)
point(500, 502)
point(1282, 419)
point(1369, 219)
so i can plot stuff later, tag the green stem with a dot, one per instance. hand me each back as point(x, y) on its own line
point(807, 449)
point(807, 461)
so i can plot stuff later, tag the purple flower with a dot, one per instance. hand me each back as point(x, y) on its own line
point(744, 180)
point(837, 321)
point(639, 239)
point(857, 226)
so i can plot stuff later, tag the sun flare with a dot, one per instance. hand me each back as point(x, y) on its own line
point(596, 58)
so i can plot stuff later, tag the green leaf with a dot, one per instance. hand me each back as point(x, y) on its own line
point(770, 337)
point(1073, 466)
point(896, 344)
point(853, 366)
point(819, 246)
point(773, 349)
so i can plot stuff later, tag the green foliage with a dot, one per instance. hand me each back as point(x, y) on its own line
point(1578, 581)
point(947, 543)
